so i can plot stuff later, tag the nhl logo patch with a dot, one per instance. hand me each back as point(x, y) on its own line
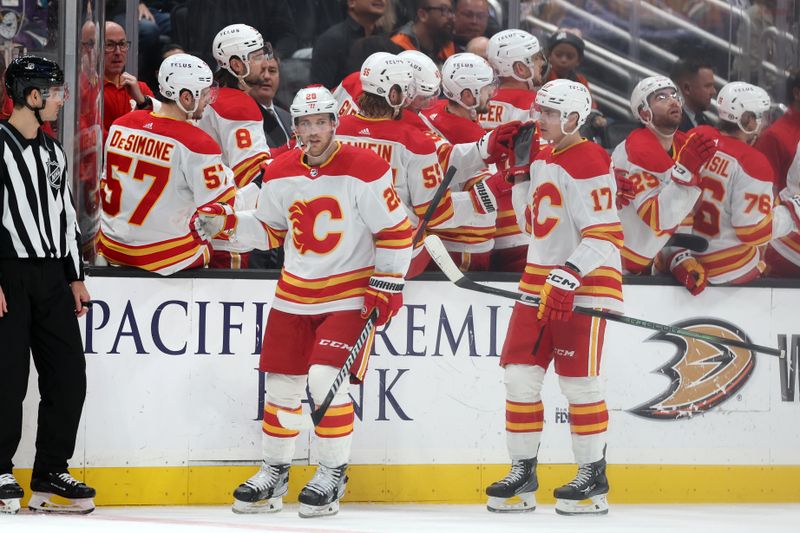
point(314, 172)
point(54, 174)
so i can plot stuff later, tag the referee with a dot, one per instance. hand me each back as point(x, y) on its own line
point(42, 293)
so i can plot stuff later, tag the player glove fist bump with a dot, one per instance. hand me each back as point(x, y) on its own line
point(698, 150)
point(214, 221)
point(525, 150)
point(557, 299)
point(688, 272)
point(485, 193)
point(384, 293)
point(498, 144)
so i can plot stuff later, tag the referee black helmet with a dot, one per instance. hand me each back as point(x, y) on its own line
point(26, 73)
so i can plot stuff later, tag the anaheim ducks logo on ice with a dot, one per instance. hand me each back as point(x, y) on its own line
point(304, 216)
point(703, 374)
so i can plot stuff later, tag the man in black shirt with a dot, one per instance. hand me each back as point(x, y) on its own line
point(329, 61)
point(41, 291)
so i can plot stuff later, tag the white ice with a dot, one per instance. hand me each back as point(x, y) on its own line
point(417, 518)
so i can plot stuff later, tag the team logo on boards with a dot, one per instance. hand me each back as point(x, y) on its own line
point(703, 374)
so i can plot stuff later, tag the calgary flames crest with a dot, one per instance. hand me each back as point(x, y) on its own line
point(703, 374)
point(304, 215)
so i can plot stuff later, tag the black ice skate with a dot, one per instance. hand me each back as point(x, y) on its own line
point(515, 493)
point(322, 494)
point(586, 494)
point(264, 492)
point(10, 494)
point(63, 485)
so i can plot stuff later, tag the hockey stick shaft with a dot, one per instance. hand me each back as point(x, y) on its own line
point(437, 197)
point(440, 256)
point(299, 421)
point(695, 243)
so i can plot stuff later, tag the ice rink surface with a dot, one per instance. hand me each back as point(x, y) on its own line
point(417, 518)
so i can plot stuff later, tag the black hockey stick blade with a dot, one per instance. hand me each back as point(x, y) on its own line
point(437, 197)
point(300, 421)
point(689, 241)
point(440, 256)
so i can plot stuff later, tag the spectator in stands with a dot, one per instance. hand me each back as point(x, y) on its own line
point(779, 141)
point(277, 121)
point(122, 92)
point(431, 31)
point(478, 46)
point(694, 77)
point(329, 62)
point(471, 20)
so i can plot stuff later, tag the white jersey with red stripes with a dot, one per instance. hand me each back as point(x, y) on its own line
point(789, 245)
point(347, 94)
point(659, 206)
point(339, 223)
point(158, 172)
point(569, 209)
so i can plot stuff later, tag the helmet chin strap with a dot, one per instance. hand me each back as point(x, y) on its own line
point(36, 110)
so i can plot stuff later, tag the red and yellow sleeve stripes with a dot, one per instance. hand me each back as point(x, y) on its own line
point(247, 169)
point(466, 234)
point(635, 263)
point(337, 422)
point(299, 290)
point(722, 262)
point(272, 426)
point(506, 223)
point(228, 196)
point(152, 257)
point(757, 234)
point(602, 282)
point(604, 232)
point(395, 238)
point(588, 418)
point(275, 237)
point(443, 212)
point(524, 417)
point(649, 213)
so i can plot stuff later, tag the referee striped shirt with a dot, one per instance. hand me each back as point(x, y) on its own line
point(37, 216)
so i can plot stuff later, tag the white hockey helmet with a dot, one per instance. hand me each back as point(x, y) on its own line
point(184, 72)
point(738, 98)
point(313, 100)
point(236, 40)
point(466, 71)
point(509, 46)
point(567, 97)
point(427, 77)
point(641, 93)
point(382, 71)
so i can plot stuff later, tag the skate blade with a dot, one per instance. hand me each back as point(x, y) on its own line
point(521, 503)
point(9, 506)
point(596, 505)
point(42, 502)
point(271, 505)
point(313, 511)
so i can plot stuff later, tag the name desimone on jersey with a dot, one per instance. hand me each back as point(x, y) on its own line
point(146, 146)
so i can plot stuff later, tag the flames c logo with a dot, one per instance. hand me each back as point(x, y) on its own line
point(304, 215)
point(703, 374)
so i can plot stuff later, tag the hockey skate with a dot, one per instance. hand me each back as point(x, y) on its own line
point(264, 492)
point(10, 494)
point(515, 493)
point(586, 494)
point(320, 497)
point(78, 497)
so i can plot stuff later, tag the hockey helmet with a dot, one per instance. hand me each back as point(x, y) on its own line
point(566, 97)
point(509, 46)
point(313, 100)
point(738, 98)
point(466, 71)
point(641, 93)
point(427, 77)
point(236, 40)
point(31, 72)
point(184, 72)
point(382, 71)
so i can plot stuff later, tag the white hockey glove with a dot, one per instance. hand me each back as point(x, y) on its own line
point(214, 221)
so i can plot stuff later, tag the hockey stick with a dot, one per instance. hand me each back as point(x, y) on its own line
point(695, 243)
point(439, 254)
point(301, 421)
point(437, 197)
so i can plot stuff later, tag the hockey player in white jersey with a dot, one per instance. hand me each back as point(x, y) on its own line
point(159, 169)
point(347, 241)
point(566, 201)
point(235, 122)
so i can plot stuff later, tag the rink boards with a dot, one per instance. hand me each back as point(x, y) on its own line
point(173, 408)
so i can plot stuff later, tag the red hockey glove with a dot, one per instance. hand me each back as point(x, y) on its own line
point(485, 193)
point(526, 146)
point(384, 293)
point(626, 192)
point(213, 221)
point(688, 272)
point(698, 150)
point(557, 299)
point(498, 143)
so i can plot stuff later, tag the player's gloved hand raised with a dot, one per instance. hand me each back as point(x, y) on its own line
point(688, 272)
point(213, 221)
point(485, 193)
point(557, 299)
point(626, 191)
point(698, 150)
point(526, 147)
point(384, 293)
point(498, 144)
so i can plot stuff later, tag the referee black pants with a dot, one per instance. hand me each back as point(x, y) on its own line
point(40, 320)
